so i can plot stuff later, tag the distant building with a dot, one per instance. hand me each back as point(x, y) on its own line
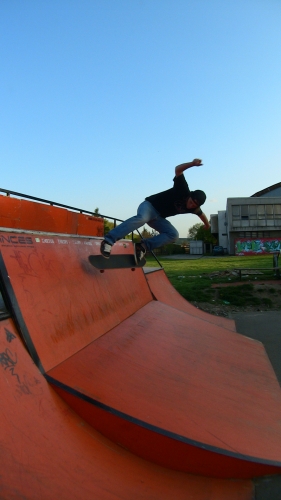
point(250, 225)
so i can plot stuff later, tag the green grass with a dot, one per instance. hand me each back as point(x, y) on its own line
point(191, 278)
point(242, 296)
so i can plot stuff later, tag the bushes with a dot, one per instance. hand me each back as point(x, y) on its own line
point(171, 249)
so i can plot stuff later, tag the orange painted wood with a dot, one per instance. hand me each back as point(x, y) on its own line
point(182, 380)
point(49, 452)
point(159, 448)
point(9, 212)
point(66, 309)
point(163, 290)
point(25, 214)
point(41, 217)
point(64, 302)
point(89, 225)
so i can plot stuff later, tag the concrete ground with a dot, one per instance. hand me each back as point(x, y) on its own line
point(265, 327)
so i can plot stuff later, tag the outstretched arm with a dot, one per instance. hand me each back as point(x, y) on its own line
point(184, 166)
point(204, 220)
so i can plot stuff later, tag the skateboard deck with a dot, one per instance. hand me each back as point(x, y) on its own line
point(121, 261)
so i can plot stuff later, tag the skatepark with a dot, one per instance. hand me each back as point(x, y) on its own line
point(114, 386)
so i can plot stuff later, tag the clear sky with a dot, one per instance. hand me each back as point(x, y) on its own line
point(101, 99)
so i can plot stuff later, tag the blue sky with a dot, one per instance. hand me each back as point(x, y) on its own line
point(101, 99)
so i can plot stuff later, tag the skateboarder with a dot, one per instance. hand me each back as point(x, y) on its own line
point(154, 210)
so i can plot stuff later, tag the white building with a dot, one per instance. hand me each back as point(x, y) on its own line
point(250, 225)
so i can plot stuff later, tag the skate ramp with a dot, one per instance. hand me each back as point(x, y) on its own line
point(49, 452)
point(196, 402)
point(174, 389)
point(163, 291)
point(60, 301)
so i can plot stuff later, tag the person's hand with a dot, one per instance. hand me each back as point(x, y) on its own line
point(197, 163)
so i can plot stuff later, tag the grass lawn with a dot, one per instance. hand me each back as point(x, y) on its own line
point(193, 278)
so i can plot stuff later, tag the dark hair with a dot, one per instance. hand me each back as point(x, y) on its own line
point(198, 196)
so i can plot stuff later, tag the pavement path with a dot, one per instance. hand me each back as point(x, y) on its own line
point(266, 327)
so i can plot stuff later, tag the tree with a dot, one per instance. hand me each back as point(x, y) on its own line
point(198, 232)
point(148, 234)
point(106, 224)
point(193, 230)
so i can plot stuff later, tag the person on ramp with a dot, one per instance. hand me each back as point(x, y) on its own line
point(154, 210)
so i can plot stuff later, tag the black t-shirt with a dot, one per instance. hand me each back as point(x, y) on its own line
point(173, 201)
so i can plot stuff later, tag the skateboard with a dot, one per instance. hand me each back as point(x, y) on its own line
point(121, 261)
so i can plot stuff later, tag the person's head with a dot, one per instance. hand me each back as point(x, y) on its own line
point(196, 199)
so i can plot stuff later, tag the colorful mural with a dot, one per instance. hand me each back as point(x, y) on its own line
point(246, 246)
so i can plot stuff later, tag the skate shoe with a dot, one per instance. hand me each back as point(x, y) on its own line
point(140, 252)
point(105, 249)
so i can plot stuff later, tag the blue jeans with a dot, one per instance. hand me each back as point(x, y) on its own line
point(146, 214)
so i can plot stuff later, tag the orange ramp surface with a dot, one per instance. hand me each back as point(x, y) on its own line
point(198, 403)
point(163, 290)
point(61, 302)
point(48, 452)
point(141, 371)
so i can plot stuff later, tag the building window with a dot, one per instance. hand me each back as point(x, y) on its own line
point(244, 212)
point(252, 211)
point(260, 212)
point(235, 211)
point(269, 211)
point(254, 234)
point(266, 214)
point(277, 211)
